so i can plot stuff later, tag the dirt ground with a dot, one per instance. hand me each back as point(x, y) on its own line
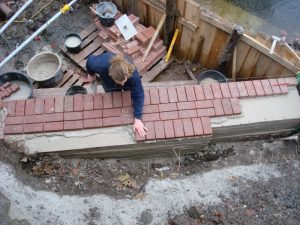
point(251, 201)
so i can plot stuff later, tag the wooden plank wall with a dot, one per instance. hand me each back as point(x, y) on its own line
point(204, 36)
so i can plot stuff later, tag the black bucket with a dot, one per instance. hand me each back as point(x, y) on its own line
point(106, 12)
point(73, 43)
point(213, 75)
point(75, 90)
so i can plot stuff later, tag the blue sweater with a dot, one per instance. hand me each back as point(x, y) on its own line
point(100, 64)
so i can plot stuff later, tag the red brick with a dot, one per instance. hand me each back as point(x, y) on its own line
point(183, 114)
point(5, 85)
point(10, 107)
point(218, 107)
point(199, 92)
point(250, 88)
point(208, 91)
point(206, 112)
point(127, 111)
point(127, 119)
point(49, 105)
point(98, 101)
point(92, 114)
point(197, 125)
point(258, 88)
point(73, 116)
point(150, 134)
point(59, 104)
point(142, 39)
point(233, 89)
point(158, 45)
point(151, 117)
point(34, 128)
point(204, 104)
point(154, 96)
point(283, 85)
point(29, 107)
point(207, 129)
point(39, 106)
point(135, 49)
point(147, 97)
point(267, 87)
point(216, 89)
point(178, 128)
point(227, 106)
point(126, 99)
point(34, 119)
point(167, 107)
point(112, 112)
point(53, 126)
point(107, 100)
point(292, 81)
point(14, 120)
point(112, 121)
point(168, 115)
point(73, 125)
point(235, 104)
point(181, 94)
point(20, 107)
point(169, 129)
point(275, 87)
point(190, 93)
point(149, 32)
point(188, 127)
point(117, 99)
point(134, 19)
point(78, 103)
point(88, 102)
point(13, 129)
point(225, 90)
point(150, 109)
point(54, 117)
point(159, 130)
point(92, 123)
point(185, 105)
point(172, 94)
point(163, 95)
point(242, 89)
point(68, 105)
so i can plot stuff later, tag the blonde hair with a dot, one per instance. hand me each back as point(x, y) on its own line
point(120, 69)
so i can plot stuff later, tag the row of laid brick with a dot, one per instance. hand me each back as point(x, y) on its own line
point(178, 128)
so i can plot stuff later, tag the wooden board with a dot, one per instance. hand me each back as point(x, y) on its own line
point(249, 63)
point(262, 66)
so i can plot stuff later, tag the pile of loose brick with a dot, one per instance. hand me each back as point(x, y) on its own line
point(169, 112)
point(7, 89)
point(113, 41)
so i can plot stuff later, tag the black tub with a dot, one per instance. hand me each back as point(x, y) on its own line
point(106, 12)
point(23, 81)
point(75, 90)
point(73, 43)
point(213, 75)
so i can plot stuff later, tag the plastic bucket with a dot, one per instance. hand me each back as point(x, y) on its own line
point(75, 90)
point(106, 12)
point(73, 43)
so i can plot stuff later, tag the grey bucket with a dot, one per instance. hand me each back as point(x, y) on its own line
point(106, 12)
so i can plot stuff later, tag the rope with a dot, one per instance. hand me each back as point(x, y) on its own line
point(41, 9)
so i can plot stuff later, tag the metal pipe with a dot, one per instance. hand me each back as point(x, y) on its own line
point(15, 16)
point(63, 10)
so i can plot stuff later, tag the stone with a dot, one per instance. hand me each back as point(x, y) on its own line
point(146, 217)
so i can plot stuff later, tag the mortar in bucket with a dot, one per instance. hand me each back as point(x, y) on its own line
point(45, 68)
point(106, 12)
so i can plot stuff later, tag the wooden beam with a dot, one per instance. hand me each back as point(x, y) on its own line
point(234, 63)
point(170, 21)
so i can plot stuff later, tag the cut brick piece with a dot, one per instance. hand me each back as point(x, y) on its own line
point(147, 97)
point(54, 117)
point(98, 101)
point(267, 87)
point(150, 134)
point(142, 39)
point(183, 114)
point(199, 92)
point(73, 116)
point(59, 104)
point(112, 121)
point(39, 106)
point(126, 99)
point(29, 107)
point(185, 105)
point(151, 117)
point(190, 93)
point(49, 105)
point(92, 123)
point(10, 107)
point(172, 94)
point(208, 91)
point(88, 102)
point(258, 88)
point(283, 85)
point(68, 105)
point(233, 89)
point(163, 95)
point(207, 129)
point(13, 129)
point(181, 94)
point(250, 88)
point(188, 127)
point(92, 114)
point(53, 126)
point(227, 106)
point(112, 112)
point(34, 119)
point(107, 100)
point(216, 89)
point(150, 109)
point(218, 107)
point(169, 129)
point(117, 99)
point(236, 107)
point(168, 115)
point(20, 107)
point(225, 90)
point(73, 125)
point(34, 128)
point(78, 103)
point(154, 96)
point(242, 89)
point(14, 120)
point(197, 125)
point(159, 130)
point(275, 87)
point(167, 107)
point(291, 81)
point(206, 112)
point(204, 104)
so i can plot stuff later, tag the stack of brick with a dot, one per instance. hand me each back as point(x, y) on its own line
point(169, 112)
point(7, 89)
point(113, 41)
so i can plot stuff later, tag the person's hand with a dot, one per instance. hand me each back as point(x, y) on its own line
point(139, 127)
point(88, 79)
point(93, 11)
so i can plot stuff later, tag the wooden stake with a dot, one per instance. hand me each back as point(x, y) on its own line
point(161, 22)
point(234, 63)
